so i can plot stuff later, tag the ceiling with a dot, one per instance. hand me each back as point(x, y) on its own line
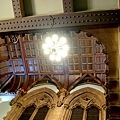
point(22, 61)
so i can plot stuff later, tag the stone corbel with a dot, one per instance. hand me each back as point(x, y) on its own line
point(62, 94)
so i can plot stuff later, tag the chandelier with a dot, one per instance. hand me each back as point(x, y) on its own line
point(56, 47)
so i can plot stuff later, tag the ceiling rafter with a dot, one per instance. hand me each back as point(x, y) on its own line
point(13, 85)
point(58, 84)
point(26, 83)
point(76, 82)
point(97, 80)
point(35, 82)
point(9, 79)
point(6, 74)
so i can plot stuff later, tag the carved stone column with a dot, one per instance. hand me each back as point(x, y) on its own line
point(34, 113)
point(64, 112)
point(50, 113)
point(84, 114)
point(102, 114)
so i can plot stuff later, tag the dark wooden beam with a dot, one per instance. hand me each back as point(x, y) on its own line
point(67, 20)
point(68, 5)
point(18, 8)
point(7, 81)
point(26, 83)
point(6, 74)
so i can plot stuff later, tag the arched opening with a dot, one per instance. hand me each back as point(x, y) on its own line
point(93, 113)
point(27, 113)
point(41, 114)
point(85, 104)
point(77, 113)
point(35, 105)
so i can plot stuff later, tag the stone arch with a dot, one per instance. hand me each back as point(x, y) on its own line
point(85, 98)
point(38, 98)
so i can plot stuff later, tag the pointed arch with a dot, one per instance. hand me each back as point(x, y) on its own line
point(38, 98)
point(85, 98)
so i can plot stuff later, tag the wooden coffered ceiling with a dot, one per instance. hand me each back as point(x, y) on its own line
point(23, 62)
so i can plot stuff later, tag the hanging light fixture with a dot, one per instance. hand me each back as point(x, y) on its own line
point(55, 47)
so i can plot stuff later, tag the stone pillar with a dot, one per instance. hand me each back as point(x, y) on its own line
point(56, 113)
point(50, 113)
point(84, 114)
point(65, 113)
point(69, 114)
point(34, 113)
point(102, 114)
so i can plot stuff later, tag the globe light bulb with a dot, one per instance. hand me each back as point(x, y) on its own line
point(52, 57)
point(56, 47)
point(46, 51)
point(48, 39)
point(62, 40)
point(55, 37)
point(49, 42)
point(44, 46)
point(58, 58)
point(64, 54)
point(66, 47)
